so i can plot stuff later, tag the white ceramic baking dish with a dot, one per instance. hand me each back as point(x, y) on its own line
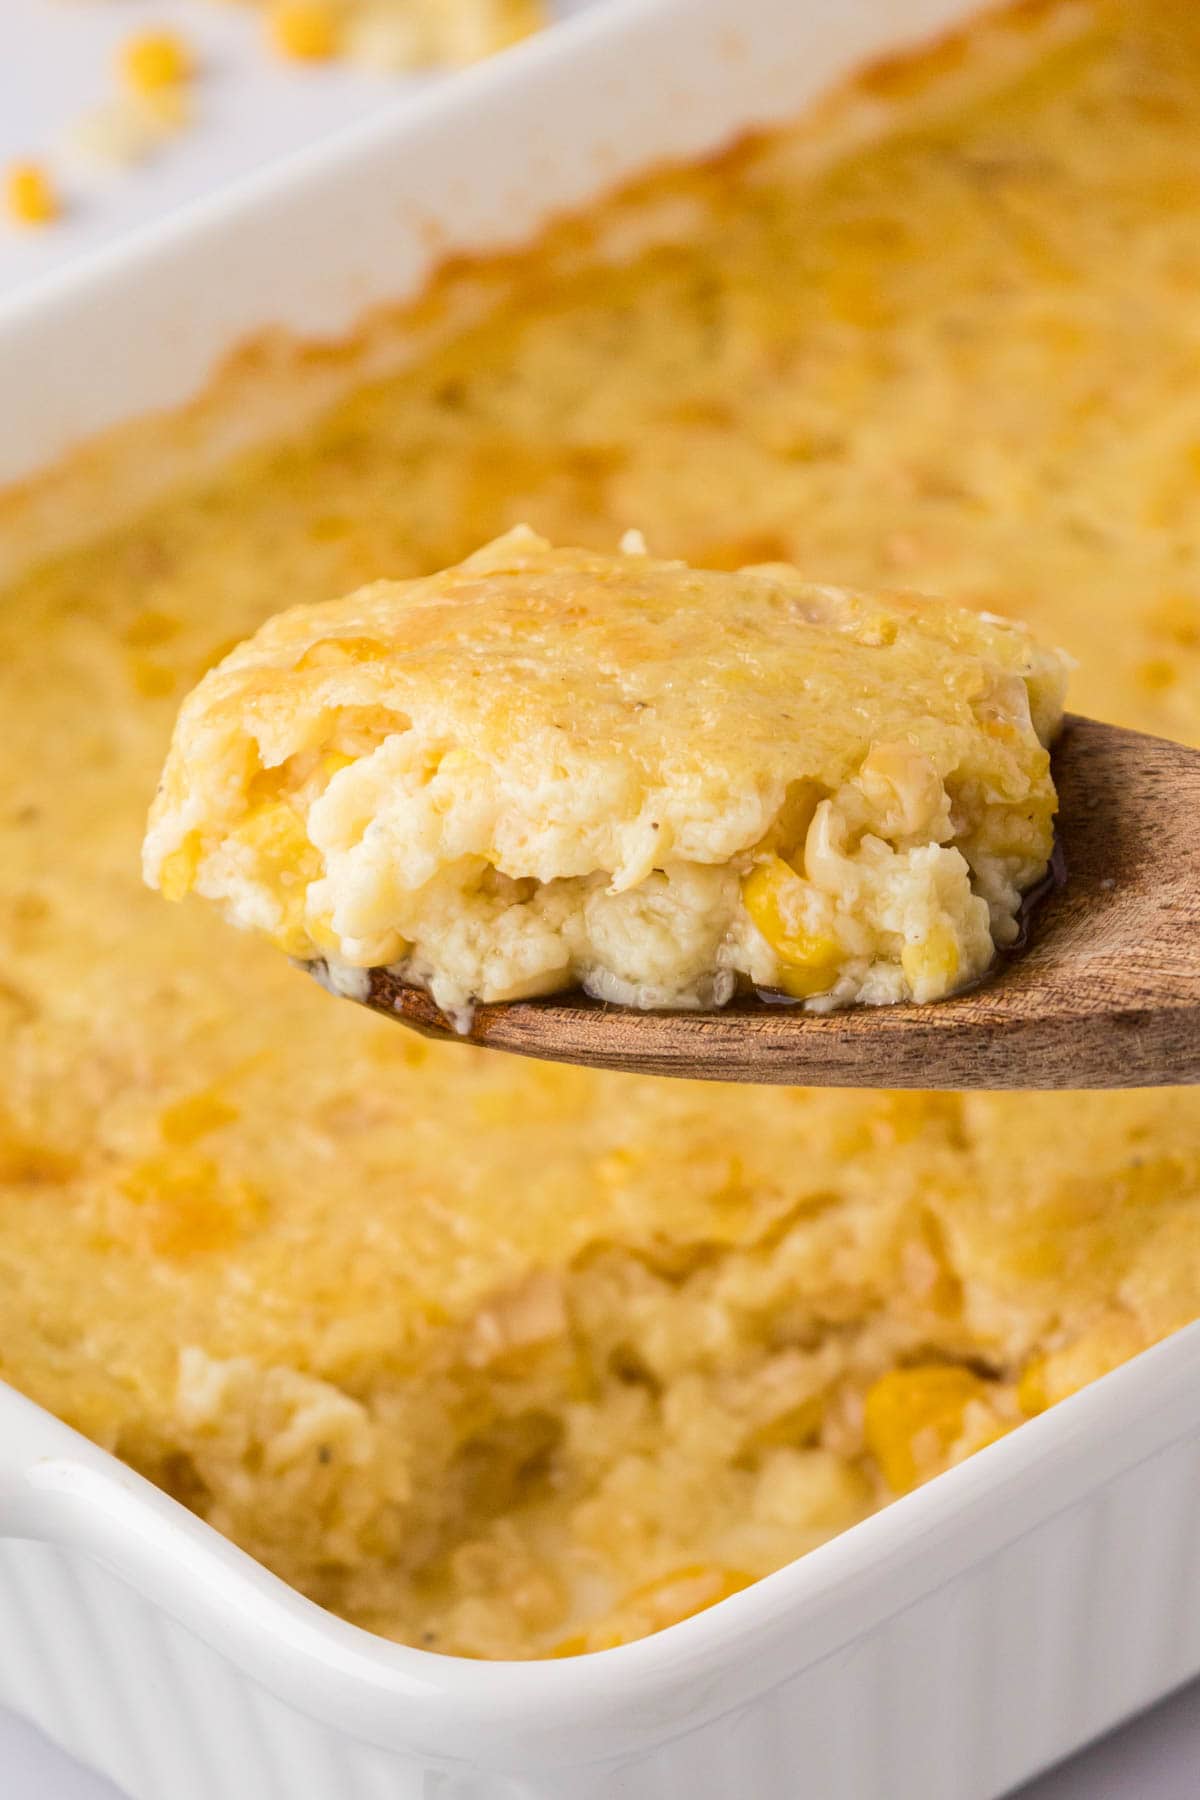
point(943, 1650)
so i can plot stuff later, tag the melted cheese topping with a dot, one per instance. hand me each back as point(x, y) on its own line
point(498, 1358)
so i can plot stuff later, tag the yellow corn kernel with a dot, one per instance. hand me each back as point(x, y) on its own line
point(277, 836)
point(902, 779)
point(277, 833)
point(380, 950)
point(152, 680)
point(685, 1592)
point(292, 935)
point(801, 983)
point(303, 31)
point(876, 630)
point(267, 786)
point(931, 966)
point(332, 652)
point(1033, 1395)
point(1157, 673)
point(30, 194)
point(1178, 619)
point(515, 20)
point(912, 1418)
point(25, 1162)
point(320, 930)
point(772, 894)
point(182, 1205)
point(178, 870)
point(193, 1117)
point(457, 762)
point(668, 1600)
point(147, 630)
point(797, 1424)
point(333, 762)
point(154, 60)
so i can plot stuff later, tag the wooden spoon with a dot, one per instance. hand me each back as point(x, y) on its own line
point(1104, 994)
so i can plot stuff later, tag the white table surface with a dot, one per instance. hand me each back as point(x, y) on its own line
point(55, 63)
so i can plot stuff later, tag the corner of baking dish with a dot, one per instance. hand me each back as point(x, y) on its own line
point(58, 1488)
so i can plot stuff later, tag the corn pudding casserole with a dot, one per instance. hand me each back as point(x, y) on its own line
point(506, 1359)
point(546, 767)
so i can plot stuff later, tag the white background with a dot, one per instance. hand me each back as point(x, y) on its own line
point(56, 61)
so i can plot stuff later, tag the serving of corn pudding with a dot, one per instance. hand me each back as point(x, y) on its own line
point(549, 766)
point(510, 1360)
